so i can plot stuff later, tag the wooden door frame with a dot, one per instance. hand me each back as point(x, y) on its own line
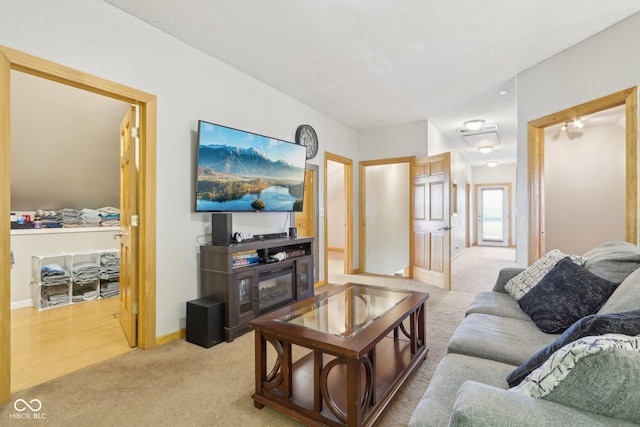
point(467, 213)
point(535, 163)
point(476, 203)
point(362, 203)
point(11, 59)
point(348, 184)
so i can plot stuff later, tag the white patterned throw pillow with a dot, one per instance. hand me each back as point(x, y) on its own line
point(519, 285)
point(598, 374)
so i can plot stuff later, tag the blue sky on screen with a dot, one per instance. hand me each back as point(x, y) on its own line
point(274, 149)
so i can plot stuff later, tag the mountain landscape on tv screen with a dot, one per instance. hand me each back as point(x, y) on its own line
point(245, 162)
point(233, 178)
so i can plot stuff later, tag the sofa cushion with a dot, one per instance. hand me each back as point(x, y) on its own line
point(434, 408)
point(498, 304)
point(483, 405)
point(498, 338)
point(627, 323)
point(564, 295)
point(596, 374)
point(520, 285)
point(613, 260)
point(626, 297)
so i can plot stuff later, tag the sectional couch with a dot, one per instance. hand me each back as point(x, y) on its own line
point(583, 371)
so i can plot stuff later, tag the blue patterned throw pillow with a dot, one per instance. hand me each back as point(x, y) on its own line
point(627, 323)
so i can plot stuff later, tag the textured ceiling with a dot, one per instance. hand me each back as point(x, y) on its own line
point(376, 63)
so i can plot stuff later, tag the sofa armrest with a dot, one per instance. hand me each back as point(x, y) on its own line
point(482, 405)
point(504, 276)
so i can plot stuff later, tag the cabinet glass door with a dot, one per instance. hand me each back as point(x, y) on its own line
point(245, 286)
point(304, 273)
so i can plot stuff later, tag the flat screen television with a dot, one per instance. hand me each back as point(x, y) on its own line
point(239, 171)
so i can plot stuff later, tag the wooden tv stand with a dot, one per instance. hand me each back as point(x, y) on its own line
point(251, 290)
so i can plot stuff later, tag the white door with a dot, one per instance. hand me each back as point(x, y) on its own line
point(493, 215)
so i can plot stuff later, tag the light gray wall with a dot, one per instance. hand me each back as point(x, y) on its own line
point(587, 206)
point(190, 85)
point(65, 146)
point(604, 64)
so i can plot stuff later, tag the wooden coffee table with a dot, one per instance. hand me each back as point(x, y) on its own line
point(338, 358)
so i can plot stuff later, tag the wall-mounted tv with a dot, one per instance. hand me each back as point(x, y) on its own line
point(239, 171)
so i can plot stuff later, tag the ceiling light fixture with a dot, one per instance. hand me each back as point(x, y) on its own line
point(577, 123)
point(564, 127)
point(492, 163)
point(475, 124)
point(485, 149)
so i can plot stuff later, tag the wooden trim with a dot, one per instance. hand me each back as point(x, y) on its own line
point(467, 210)
point(362, 202)
point(5, 232)
point(631, 126)
point(147, 239)
point(348, 183)
point(11, 59)
point(535, 163)
point(173, 336)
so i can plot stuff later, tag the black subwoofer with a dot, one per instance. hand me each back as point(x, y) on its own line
point(205, 320)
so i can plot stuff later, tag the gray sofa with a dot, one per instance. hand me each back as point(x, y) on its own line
point(469, 386)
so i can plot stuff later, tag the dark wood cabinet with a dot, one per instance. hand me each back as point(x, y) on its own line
point(281, 272)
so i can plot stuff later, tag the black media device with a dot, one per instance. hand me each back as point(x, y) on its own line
point(205, 320)
point(293, 232)
point(221, 223)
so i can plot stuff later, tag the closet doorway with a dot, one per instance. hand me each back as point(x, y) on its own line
point(338, 222)
point(144, 190)
point(535, 164)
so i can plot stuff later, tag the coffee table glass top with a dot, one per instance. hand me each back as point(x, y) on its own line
point(347, 312)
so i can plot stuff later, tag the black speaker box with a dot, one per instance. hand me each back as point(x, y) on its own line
point(221, 228)
point(205, 320)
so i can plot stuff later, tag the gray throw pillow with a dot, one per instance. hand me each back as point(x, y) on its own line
point(613, 260)
point(626, 296)
point(627, 323)
point(566, 294)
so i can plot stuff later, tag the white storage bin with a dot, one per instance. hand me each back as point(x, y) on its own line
point(38, 261)
point(50, 296)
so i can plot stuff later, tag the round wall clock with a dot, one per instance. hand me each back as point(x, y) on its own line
point(305, 135)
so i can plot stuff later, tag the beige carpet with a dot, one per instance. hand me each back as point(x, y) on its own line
point(183, 384)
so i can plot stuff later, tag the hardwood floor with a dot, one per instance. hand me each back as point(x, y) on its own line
point(50, 343)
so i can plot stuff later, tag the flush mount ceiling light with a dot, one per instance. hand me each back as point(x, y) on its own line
point(475, 124)
point(485, 149)
point(572, 126)
point(492, 163)
point(577, 123)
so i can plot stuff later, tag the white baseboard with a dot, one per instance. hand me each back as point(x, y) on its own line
point(21, 304)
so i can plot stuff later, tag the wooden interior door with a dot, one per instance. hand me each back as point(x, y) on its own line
point(430, 220)
point(128, 229)
point(305, 221)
